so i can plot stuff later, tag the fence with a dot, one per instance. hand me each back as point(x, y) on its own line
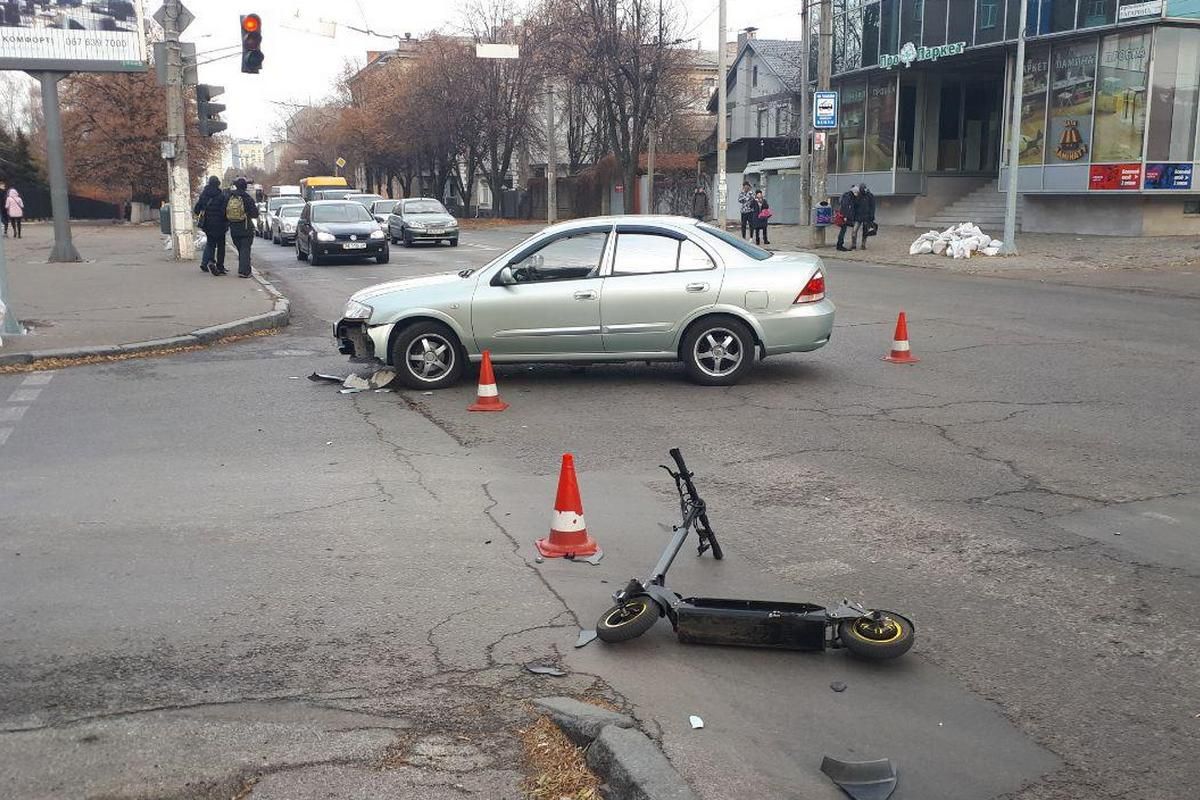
point(37, 205)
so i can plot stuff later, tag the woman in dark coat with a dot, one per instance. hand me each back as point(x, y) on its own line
point(757, 221)
point(212, 206)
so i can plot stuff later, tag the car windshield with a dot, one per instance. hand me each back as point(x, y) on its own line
point(341, 212)
point(290, 211)
point(423, 207)
point(745, 247)
point(384, 206)
point(278, 202)
point(365, 199)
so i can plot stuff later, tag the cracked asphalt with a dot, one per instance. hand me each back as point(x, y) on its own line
point(219, 579)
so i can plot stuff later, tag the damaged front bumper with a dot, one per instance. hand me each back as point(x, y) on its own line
point(353, 339)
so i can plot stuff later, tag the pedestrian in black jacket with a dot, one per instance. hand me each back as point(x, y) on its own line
point(864, 216)
point(211, 208)
point(240, 213)
point(847, 205)
point(758, 220)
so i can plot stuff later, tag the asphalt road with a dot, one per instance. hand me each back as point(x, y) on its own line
point(227, 570)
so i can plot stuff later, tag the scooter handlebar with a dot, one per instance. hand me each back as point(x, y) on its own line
point(678, 458)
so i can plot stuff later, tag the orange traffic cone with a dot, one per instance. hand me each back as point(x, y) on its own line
point(487, 398)
point(568, 533)
point(901, 354)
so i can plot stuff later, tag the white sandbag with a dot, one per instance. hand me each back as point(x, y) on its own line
point(990, 251)
point(996, 243)
point(926, 247)
point(915, 248)
point(939, 247)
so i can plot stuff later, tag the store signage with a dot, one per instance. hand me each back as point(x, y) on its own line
point(910, 53)
point(1169, 176)
point(1115, 176)
point(825, 109)
point(1136, 10)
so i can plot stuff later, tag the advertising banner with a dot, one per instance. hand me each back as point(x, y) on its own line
point(1169, 176)
point(1115, 176)
point(83, 36)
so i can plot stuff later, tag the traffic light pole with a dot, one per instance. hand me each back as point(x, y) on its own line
point(820, 171)
point(178, 179)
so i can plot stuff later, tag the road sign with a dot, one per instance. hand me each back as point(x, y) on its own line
point(486, 50)
point(825, 109)
point(184, 19)
point(341, 162)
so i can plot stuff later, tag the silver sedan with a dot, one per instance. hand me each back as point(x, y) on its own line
point(603, 289)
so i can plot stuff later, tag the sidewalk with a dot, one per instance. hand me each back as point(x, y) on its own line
point(1168, 264)
point(128, 295)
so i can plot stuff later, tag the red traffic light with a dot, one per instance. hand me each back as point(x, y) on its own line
point(251, 23)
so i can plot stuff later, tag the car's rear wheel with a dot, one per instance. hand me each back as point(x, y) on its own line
point(427, 355)
point(717, 351)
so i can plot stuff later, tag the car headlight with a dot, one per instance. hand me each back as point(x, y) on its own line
point(452, 223)
point(289, 228)
point(356, 310)
point(420, 226)
point(322, 236)
point(376, 234)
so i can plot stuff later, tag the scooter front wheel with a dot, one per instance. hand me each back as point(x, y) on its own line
point(877, 636)
point(627, 620)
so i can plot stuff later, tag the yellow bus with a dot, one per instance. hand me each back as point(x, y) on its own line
point(310, 186)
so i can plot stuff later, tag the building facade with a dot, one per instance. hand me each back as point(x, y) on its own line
point(247, 153)
point(1109, 140)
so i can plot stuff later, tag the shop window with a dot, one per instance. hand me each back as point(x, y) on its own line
point(1096, 12)
point(1033, 106)
point(1033, 18)
point(1120, 121)
point(1174, 95)
point(912, 13)
point(850, 134)
point(1056, 16)
point(906, 136)
point(934, 32)
point(881, 124)
point(1184, 9)
point(870, 34)
point(889, 26)
point(961, 22)
point(1012, 19)
point(950, 126)
point(1072, 87)
point(989, 21)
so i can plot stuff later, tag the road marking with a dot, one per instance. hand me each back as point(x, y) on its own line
point(37, 379)
point(4, 434)
point(12, 413)
point(24, 395)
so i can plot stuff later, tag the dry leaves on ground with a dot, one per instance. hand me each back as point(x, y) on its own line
point(557, 767)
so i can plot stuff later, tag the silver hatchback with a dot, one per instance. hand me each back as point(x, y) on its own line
point(603, 289)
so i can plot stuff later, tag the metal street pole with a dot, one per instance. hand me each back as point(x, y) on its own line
point(650, 170)
point(805, 122)
point(64, 249)
point(9, 326)
point(179, 181)
point(719, 194)
point(1014, 141)
point(551, 158)
point(824, 75)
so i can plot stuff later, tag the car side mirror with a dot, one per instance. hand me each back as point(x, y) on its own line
point(505, 276)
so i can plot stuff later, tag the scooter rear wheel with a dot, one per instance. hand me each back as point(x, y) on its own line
point(627, 620)
point(890, 636)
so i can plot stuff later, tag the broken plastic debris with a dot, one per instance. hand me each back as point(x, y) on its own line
point(356, 382)
point(545, 669)
point(862, 780)
point(349, 391)
point(1116, 533)
point(318, 377)
point(538, 559)
point(838, 686)
point(382, 378)
point(295, 377)
point(587, 637)
point(427, 394)
point(696, 721)
point(382, 391)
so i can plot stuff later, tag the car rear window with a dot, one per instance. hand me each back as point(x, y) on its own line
point(728, 238)
point(342, 212)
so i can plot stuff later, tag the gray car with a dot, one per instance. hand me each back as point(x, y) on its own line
point(266, 220)
point(596, 290)
point(421, 219)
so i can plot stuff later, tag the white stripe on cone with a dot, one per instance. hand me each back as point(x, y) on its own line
point(899, 346)
point(567, 522)
point(488, 390)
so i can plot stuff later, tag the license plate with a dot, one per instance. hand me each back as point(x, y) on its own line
point(354, 246)
point(435, 230)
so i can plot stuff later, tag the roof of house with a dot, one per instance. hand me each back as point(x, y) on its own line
point(782, 57)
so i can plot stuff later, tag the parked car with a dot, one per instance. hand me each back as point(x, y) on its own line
point(339, 229)
point(382, 209)
point(421, 219)
point(364, 198)
point(263, 225)
point(602, 289)
point(283, 227)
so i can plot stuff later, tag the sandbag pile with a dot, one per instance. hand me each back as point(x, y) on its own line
point(957, 241)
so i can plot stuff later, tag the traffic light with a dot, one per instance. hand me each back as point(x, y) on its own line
point(252, 56)
point(208, 111)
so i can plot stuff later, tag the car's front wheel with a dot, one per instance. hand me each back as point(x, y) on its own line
point(717, 351)
point(427, 355)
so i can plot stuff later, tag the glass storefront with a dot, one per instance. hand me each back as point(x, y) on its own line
point(1120, 120)
point(1072, 87)
point(881, 124)
point(853, 127)
point(1033, 105)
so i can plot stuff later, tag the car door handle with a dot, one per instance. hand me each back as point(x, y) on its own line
point(697, 287)
point(586, 294)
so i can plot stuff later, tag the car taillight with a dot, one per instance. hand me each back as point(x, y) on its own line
point(814, 290)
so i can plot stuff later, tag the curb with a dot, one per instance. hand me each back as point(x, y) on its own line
point(277, 317)
point(627, 760)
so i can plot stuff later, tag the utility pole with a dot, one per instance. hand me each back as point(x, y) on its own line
point(805, 122)
point(719, 194)
point(551, 158)
point(64, 249)
point(650, 169)
point(9, 326)
point(1014, 141)
point(824, 76)
point(178, 180)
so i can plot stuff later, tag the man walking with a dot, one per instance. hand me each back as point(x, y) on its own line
point(211, 209)
point(745, 199)
point(846, 207)
point(700, 203)
point(240, 213)
point(864, 216)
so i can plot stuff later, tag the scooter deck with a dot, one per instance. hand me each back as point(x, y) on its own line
point(751, 623)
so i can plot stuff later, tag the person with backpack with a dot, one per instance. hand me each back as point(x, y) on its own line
point(864, 217)
point(15, 206)
point(210, 209)
point(844, 216)
point(240, 213)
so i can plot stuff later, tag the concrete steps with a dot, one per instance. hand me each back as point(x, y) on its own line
point(985, 207)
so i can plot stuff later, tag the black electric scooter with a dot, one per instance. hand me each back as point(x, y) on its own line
point(871, 634)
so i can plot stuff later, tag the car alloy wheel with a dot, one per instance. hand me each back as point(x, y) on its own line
point(430, 357)
point(718, 352)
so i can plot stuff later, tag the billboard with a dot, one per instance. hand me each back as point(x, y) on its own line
point(72, 35)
